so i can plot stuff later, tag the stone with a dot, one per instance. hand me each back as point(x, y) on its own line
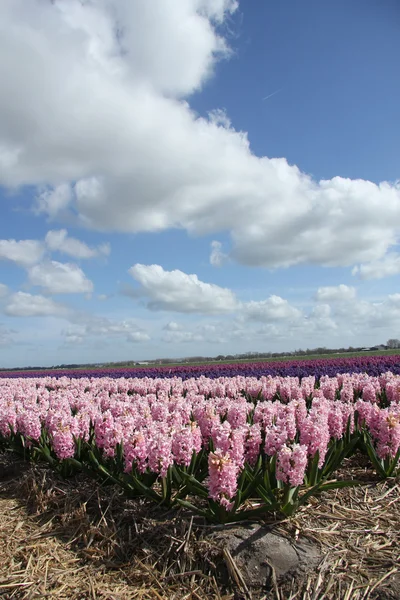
point(262, 555)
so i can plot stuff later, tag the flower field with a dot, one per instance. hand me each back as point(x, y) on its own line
point(371, 365)
point(227, 448)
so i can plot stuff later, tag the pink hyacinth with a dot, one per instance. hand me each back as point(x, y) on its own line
point(159, 447)
point(223, 474)
point(252, 444)
point(315, 430)
point(276, 436)
point(135, 451)
point(388, 438)
point(291, 464)
point(184, 442)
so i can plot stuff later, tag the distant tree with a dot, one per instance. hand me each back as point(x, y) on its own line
point(393, 343)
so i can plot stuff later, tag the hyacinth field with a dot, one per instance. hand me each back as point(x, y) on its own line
point(371, 365)
point(233, 443)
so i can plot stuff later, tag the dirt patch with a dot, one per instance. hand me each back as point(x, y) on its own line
point(262, 560)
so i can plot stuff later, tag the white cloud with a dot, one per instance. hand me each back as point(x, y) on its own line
point(217, 257)
point(388, 266)
point(60, 278)
point(179, 337)
point(166, 167)
point(24, 252)
point(54, 201)
point(210, 333)
point(138, 336)
point(339, 293)
point(3, 290)
point(6, 336)
point(84, 327)
point(173, 326)
point(320, 319)
point(73, 339)
point(179, 292)
point(58, 240)
point(273, 309)
point(22, 304)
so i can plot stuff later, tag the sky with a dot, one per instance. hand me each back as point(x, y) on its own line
point(197, 177)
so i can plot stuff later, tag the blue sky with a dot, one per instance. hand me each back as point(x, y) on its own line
point(197, 177)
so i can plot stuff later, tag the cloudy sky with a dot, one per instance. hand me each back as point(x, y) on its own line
point(185, 177)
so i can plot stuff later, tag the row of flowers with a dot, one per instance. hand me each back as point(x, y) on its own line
point(372, 365)
point(227, 448)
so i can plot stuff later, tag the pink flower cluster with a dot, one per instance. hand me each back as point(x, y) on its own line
point(161, 422)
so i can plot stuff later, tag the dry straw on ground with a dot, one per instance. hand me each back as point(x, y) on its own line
point(74, 539)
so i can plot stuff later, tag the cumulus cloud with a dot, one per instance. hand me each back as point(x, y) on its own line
point(138, 337)
point(59, 241)
point(3, 290)
point(339, 293)
point(321, 319)
point(6, 336)
point(274, 308)
point(179, 337)
point(85, 327)
point(22, 304)
point(217, 257)
point(212, 333)
point(388, 266)
point(179, 292)
point(125, 70)
point(54, 201)
point(60, 278)
point(173, 326)
point(24, 252)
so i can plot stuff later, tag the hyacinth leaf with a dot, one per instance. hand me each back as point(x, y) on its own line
point(199, 511)
point(268, 497)
point(147, 479)
point(166, 486)
point(290, 500)
point(334, 485)
point(289, 508)
point(337, 453)
point(78, 447)
point(119, 458)
point(385, 468)
point(177, 476)
point(374, 458)
point(141, 489)
point(103, 472)
point(325, 486)
point(251, 514)
point(219, 511)
point(73, 462)
point(311, 476)
point(252, 481)
point(394, 463)
point(44, 452)
point(193, 485)
point(238, 501)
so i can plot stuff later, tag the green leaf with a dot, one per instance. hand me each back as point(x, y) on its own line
point(393, 463)
point(333, 485)
point(313, 476)
point(146, 491)
point(238, 501)
point(204, 513)
point(374, 458)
